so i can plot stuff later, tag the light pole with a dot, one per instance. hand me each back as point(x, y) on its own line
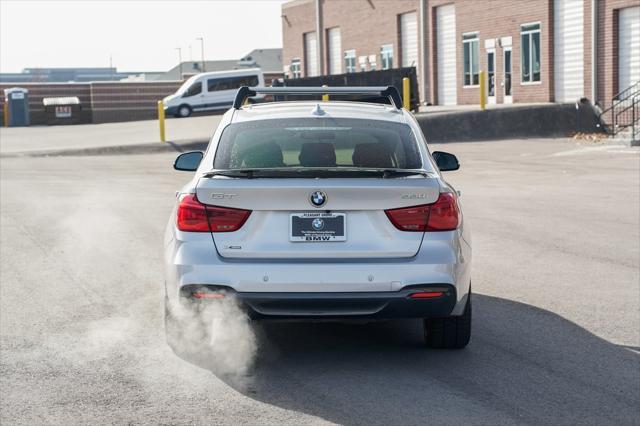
point(202, 50)
point(179, 49)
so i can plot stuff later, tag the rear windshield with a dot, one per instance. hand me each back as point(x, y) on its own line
point(317, 142)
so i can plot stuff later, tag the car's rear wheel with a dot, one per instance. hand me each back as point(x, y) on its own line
point(450, 332)
point(183, 111)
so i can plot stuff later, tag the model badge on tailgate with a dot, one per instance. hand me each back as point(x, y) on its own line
point(222, 196)
point(413, 196)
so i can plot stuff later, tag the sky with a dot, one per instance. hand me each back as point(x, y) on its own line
point(139, 35)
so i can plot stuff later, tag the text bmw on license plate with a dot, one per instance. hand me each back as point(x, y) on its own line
point(318, 227)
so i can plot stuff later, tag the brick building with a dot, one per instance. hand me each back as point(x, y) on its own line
point(530, 50)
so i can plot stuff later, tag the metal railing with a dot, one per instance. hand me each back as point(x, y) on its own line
point(624, 112)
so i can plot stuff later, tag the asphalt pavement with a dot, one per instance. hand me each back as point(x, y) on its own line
point(556, 327)
point(45, 139)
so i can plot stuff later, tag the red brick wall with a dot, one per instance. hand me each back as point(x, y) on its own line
point(101, 101)
point(367, 24)
point(495, 19)
point(118, 101)
point(364, 26)
point(607, 51)
point(382, 25)
point(298, 18)
point(587, 49)
point(38, 91)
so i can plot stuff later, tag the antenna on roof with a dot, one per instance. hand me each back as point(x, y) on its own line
point(318, 110)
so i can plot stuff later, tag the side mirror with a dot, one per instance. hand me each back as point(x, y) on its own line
point(189, 161)
point(445, 161)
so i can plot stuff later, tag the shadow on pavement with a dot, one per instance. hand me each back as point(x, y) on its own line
point(523, 365)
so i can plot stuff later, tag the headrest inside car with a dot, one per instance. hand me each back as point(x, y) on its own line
point(264, 155)
point(372, 155)
point(317, 155)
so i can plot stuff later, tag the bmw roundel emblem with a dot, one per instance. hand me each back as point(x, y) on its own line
point(318, 198)
point(317, 224)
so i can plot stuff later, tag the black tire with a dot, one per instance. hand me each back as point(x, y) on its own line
point(184, 111)
point(450, 332)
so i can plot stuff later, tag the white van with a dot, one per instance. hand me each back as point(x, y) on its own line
point(210, 91)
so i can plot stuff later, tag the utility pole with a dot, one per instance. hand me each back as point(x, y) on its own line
point(202, 50)
point(319, 37)
point(179, 49)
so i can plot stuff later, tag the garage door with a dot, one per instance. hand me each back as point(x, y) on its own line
point(311, 55)
point(568, 49)
point(628, 47)
point(446, 54)
point(409, 39)
point(335, 51)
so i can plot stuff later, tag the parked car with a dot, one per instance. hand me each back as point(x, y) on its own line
point(210, 91)
point(327, 209)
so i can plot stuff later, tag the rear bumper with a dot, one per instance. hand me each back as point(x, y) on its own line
point(354, 305)
point(444, 259)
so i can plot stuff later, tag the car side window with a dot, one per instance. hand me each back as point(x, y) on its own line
point(195, 89)
point(231, 83)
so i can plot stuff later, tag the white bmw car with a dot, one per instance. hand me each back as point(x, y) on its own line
point(322, 209)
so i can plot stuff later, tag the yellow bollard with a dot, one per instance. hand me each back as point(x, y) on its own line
point(161, 120)
point(325, 96)
point(406, 94)
point(5, 115)
point(483, 98)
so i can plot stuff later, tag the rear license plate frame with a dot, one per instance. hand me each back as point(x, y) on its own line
point(301, 229)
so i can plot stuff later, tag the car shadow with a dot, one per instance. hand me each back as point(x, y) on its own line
point(523, 365)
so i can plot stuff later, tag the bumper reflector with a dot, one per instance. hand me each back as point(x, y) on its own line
point(205, 295)
point(426, 294)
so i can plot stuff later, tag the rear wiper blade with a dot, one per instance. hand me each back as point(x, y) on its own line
point(402, 172)
point(248, 173)
point(283, 171)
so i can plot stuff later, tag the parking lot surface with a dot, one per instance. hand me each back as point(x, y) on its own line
point(556, 281)
point(87, 136)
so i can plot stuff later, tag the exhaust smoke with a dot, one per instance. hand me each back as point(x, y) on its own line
point(215, 333)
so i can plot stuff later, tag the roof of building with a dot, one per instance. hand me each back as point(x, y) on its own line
point(269, 60)
point(59, 75)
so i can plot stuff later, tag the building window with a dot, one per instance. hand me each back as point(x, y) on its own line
point(471, 51)
point(373, 65)
point(530, 53)
point(334, 50)
point(350, 61)
point(386, 56)
point(295, 69)
point(311, 55)
point(362, 60)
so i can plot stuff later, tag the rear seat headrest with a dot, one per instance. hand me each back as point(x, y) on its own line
point(264, 155)
point(372, 155)
point(317, 154)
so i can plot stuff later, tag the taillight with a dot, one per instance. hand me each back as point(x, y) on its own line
point(193, 216)
point(444, 213)
point(439, 216)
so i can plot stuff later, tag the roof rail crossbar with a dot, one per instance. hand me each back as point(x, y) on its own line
point(389, 92)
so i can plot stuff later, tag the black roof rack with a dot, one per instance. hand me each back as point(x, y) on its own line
point(389, 92)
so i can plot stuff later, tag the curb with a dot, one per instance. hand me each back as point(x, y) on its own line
point(146, 148)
